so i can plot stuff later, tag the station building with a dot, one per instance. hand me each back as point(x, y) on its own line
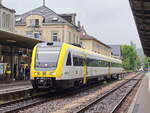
point(93, 44)
point(7, 23)
point(7, 20)
point(44, 24)
point(20, 33)
point(15, 49)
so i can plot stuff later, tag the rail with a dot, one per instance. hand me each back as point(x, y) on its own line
point(104, 96)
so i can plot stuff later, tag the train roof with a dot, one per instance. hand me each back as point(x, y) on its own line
point(62, 44)
point(97, 54)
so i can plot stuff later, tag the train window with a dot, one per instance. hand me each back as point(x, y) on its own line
point(81, 61)
point(69, 60)
point(115, 64)
point(109, 64)
point(87, 61)
point(102, 64)
point(75, 61)
point(97, 63)
point(90, 62)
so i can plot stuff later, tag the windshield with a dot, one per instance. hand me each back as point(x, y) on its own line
point(47, 58)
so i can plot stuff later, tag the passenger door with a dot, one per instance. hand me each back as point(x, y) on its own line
point(84, 70)
point(68, 68)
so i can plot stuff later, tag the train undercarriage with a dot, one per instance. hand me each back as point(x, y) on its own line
point(52, 83)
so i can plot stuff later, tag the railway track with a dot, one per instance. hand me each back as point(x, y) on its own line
point(14, 106)
point(21, 104)
point(113, 99)
point(9, 94)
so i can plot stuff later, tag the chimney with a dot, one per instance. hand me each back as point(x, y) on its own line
point(73, 18)
point(79, 25)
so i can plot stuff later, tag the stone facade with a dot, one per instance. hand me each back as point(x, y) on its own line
point(7, 18)
point(48, 26)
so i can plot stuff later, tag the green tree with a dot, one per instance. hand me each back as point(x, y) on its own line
point(130, 58)
point(138, 62)
point(146, 62)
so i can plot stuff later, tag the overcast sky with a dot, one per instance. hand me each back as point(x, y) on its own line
point(110, 21)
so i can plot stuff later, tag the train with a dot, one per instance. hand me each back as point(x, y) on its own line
point(63, 65)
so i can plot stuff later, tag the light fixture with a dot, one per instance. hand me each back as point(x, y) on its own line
point(11, 41)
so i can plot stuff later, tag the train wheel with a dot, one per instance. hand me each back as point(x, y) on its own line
point(34, 85)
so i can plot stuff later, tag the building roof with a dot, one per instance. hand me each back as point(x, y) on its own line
point(48, 14)
point(69, 17)
point(141, 13)
point(85, 36)
point(116, 50)
point(11, 10)
point(88, 37)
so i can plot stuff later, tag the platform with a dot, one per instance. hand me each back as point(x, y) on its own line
point(141, 102)
point(15, 86)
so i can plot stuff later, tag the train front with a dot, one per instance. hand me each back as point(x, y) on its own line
point(44, 65)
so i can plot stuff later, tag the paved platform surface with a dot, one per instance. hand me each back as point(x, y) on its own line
point(15, 86)
point(141, 102)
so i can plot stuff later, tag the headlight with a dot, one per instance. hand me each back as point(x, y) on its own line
point(52, 73)
point(36, 73)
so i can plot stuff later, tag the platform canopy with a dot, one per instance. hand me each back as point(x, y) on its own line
point(16, 40)
point(141, 13)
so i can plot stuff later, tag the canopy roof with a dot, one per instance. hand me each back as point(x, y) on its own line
point(141, 13)
point(13, 39)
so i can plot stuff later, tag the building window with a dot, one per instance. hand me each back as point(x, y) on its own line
point(34, 22)
point(37, 22)
point(29, 34)
point(74, 38)
point(37, 35)
point(69, 38)
point(77, 39)
point(54, 36)
point(7, 20)
point(4, 19)
point(33, 34)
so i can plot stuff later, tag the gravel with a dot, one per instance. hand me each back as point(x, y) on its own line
point(107, 104)
point(125, 106)
point(74, 102)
